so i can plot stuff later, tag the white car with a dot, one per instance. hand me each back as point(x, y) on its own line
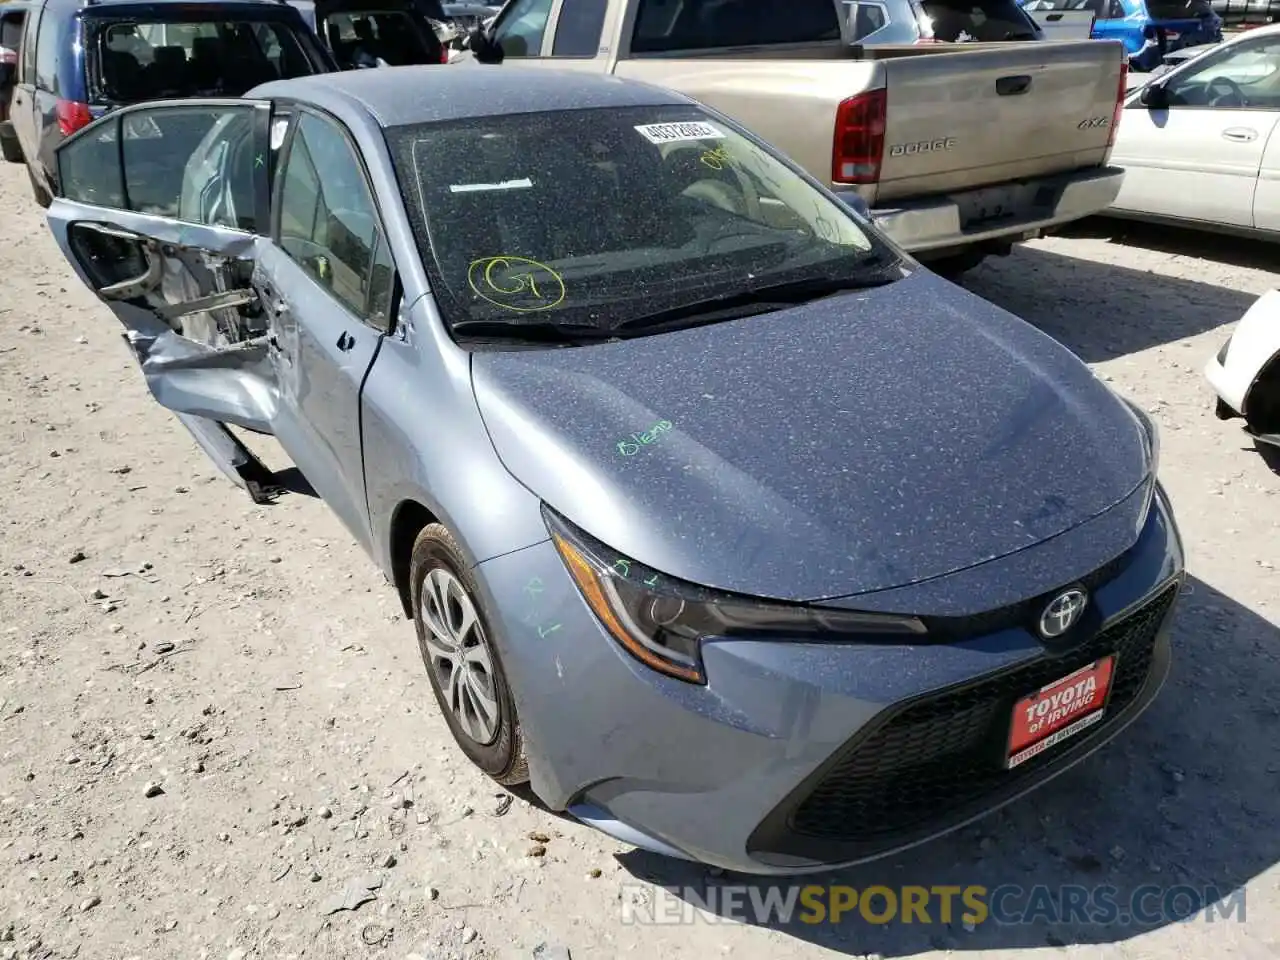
point(1199, 143)
point(1245, 374)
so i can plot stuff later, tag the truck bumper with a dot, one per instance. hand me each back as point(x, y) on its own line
point(948, 223)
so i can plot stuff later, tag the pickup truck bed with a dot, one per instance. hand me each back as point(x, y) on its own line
point(953, 146)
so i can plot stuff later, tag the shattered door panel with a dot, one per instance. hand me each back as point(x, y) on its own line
point(195, 324)
point(157, 210)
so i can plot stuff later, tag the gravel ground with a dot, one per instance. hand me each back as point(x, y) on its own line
point(213, 718)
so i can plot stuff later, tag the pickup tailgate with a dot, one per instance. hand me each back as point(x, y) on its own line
point(964, 119)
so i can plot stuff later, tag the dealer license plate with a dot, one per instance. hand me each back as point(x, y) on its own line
point(1060, 710)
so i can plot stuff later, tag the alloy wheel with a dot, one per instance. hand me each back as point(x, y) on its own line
point(458, 651)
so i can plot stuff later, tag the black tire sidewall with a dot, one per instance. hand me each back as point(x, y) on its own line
point(43, 197)
point(436, 548)
point(11, 149)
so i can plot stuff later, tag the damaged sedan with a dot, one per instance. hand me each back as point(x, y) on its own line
point(741, 536)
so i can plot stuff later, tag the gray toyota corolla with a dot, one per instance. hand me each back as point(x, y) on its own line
point(743, 537)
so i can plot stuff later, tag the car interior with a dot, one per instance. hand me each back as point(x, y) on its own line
point(981, 21)
point(1244, 79)
point(363, 38)
point(655, 202)
point(137, 61)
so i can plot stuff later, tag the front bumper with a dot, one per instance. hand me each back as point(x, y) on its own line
point(1015, 210)
point(1245, 373)
point(798, 757)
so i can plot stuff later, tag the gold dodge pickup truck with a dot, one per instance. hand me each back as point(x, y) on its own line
point(958, 150)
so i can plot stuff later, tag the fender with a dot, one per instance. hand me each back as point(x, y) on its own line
point(1236, 372)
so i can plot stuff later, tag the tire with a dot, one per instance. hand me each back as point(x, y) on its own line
point(494, 744)
point(41, 194)
point(956, 265)
point(10, 149)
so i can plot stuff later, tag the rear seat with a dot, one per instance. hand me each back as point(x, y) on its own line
point(122, 73)
point(168, 71)
point(207, 57)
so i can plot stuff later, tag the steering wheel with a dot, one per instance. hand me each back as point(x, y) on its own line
point(1232, 90)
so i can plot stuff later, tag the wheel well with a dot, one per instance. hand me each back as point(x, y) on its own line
point(406, 523)
point(1263, 403)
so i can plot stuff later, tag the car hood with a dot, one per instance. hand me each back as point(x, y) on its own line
point(856, 443)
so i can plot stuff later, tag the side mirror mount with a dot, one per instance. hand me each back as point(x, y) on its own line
point(1154, 96)
point(483, 47)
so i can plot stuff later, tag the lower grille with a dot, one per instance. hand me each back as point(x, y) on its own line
point(948, 750)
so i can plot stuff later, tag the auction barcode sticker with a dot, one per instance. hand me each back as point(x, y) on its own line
point(676, 132)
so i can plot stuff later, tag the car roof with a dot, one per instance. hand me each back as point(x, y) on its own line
point(108, 4)
point(396, 96)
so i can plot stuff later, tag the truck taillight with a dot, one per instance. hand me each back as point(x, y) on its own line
point(859, 140)
point(1119, 107)
point(72, 115)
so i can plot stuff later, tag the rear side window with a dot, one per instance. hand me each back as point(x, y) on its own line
point(362, 39)
point(133, 60)
point(11, 31)
point(663, 26)
point(980, 21)
point(866, 19)
point(48, 43)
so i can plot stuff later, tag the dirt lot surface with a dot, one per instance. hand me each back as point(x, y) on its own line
point(214, 720)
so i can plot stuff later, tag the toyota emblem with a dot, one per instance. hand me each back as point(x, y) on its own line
point(1063, 612)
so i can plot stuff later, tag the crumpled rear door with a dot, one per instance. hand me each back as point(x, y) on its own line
point(160, 210)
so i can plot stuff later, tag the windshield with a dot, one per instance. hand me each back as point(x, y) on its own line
point(599, 218)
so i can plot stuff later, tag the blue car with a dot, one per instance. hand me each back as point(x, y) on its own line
point(1149, 29)
point(721, 522)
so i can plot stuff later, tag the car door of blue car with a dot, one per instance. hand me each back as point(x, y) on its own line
point(1118, 21)
point(165, 210)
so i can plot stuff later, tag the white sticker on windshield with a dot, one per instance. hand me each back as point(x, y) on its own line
point(676, 132)
point(522, 184)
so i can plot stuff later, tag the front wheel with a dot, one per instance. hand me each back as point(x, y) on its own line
point(10, 149)
point(462, 661)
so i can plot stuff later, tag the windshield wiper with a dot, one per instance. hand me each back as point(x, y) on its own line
point(542, 331)
point(766, 298)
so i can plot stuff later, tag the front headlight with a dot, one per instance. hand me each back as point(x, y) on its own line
point(662, 621)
